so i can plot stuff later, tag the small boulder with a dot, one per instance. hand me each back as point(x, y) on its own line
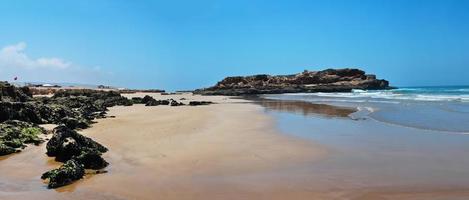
point(175, 103)
point(74, 123)
point(91, 159)
point(71, 171)
point(199, 103)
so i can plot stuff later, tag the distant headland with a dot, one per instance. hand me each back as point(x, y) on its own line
point(329, 80)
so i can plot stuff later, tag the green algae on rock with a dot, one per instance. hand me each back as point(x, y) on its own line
point(16, 134)
point(65, 174)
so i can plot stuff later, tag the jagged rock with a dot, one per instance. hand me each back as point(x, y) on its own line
point(82, 105)
point(77, 151)
point(199, 103)
point(24, 111)
point(66, 143)
point(154, 102)
point(71, 171)
point(175, 103)
point(108, 98)
point(137, 100)
point(73, 109)
point(147, 99)
point(164, 102)
point(11, 93)
point(329, 80)
point(91, 159)
point(74, 123)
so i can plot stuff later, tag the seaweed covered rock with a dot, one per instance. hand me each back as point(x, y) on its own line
point(137, 100)
point(91, 159)
point(74, 123)
point(24, 111)
point(147, 99)
point(175, 103)
point(154, 102)
point(77, 151)
point(74, 108)
point(15, 134)
point(5, 149)
point(11, 93)
point(108, 98)
point(71, 171)
point(199, 103)
point(67, 143)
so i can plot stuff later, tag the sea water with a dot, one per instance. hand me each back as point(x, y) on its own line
point(432, 108)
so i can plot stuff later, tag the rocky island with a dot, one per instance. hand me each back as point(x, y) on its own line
point(329, 80)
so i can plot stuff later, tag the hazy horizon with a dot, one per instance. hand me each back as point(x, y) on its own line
point(188, 45)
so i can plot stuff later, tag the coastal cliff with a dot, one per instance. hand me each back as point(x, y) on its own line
point(329, 80)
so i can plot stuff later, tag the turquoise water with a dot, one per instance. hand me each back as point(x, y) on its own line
point(432, 108)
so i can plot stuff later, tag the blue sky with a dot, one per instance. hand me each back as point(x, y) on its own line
point(193, 44)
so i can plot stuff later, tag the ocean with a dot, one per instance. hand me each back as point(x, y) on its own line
point(432, 108)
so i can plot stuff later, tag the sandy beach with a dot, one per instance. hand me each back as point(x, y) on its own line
point(238, 149)
point(224, 150)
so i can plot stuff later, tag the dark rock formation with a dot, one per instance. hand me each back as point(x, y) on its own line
point(74, 108)
point(77, 151)
point(137, 100)
point(71, 109)
point(71, 171)
point(199, 103)
point(147, 99)
point(329, 80)
point(175, 103)
point(154, 102)
point(67, 143)
point(11, 93)
point(91, 159)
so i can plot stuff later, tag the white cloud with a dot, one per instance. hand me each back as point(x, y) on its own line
point(15, 56)
point(14, 62)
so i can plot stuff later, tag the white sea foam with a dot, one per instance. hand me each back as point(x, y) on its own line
point(411, 94)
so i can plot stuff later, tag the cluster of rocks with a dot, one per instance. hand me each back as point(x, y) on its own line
point(71, 110)
point(199, 103)
point(77, 152)
point(329, 80)
point(150, 101)
point(11, 93)
point(14, 135)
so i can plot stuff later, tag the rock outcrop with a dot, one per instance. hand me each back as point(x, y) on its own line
point(11, 93)
point(199, 103)
point(70, 109)
point(329, 80)
point(77, 151)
